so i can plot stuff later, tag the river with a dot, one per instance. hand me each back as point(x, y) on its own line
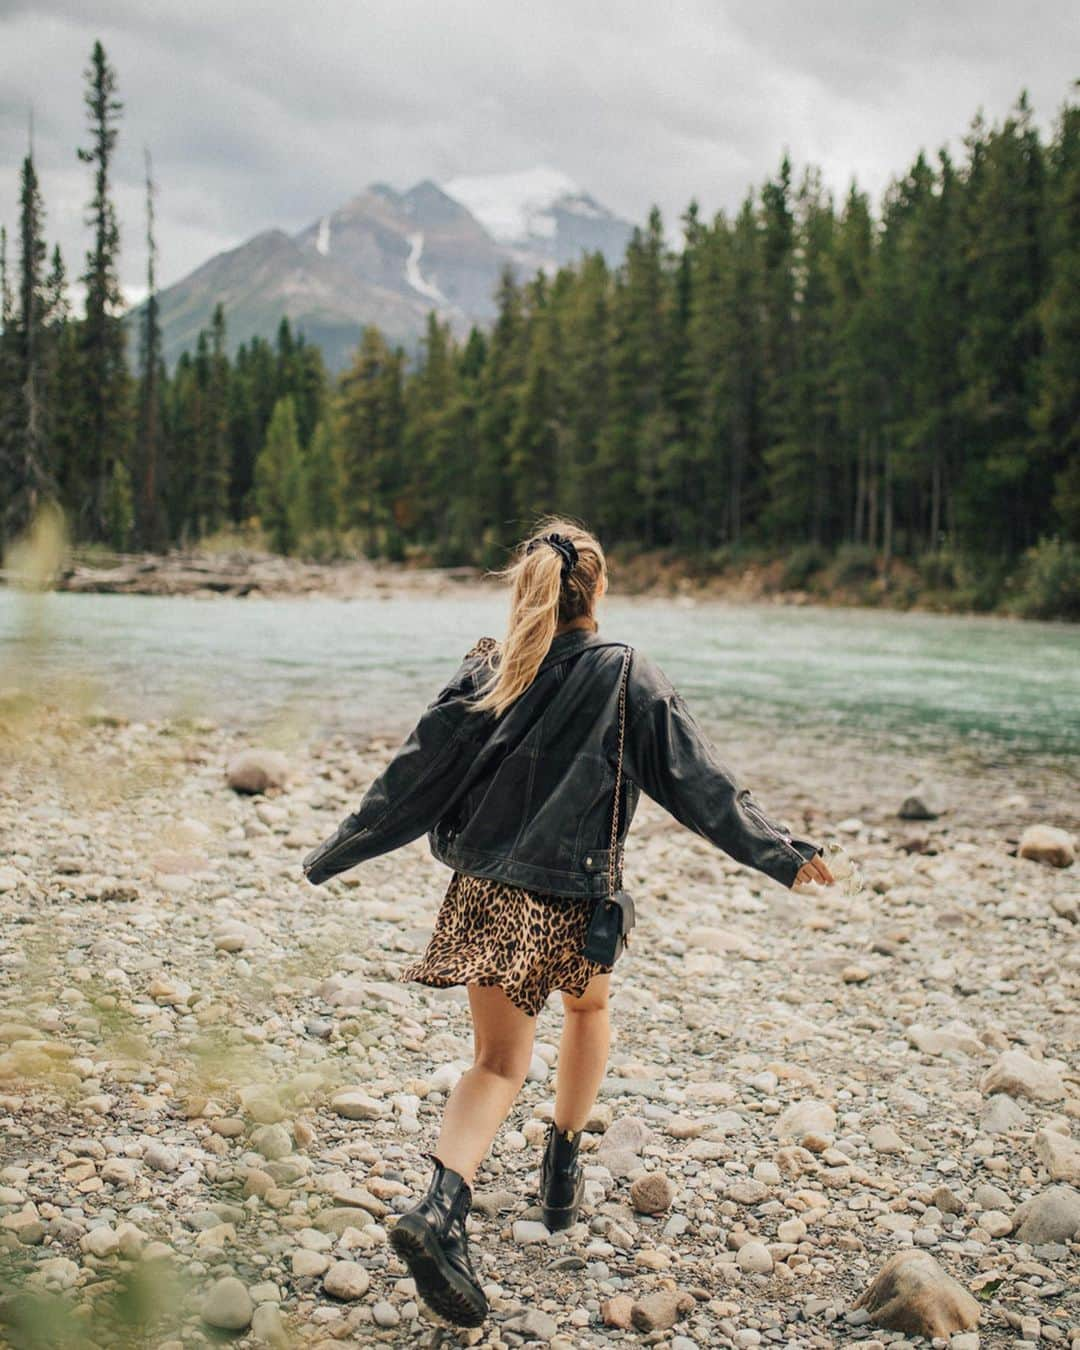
point(371, 664)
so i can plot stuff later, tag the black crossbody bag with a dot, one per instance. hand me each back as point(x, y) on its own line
point(613, 914)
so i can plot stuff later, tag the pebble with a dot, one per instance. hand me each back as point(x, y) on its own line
point(346, 1280)
point(755, 1258)
point(652, 1193)
point(779, 1112)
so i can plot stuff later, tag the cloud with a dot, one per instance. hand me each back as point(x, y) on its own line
point(269, 114)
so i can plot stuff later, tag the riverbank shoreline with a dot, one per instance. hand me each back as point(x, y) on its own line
point(246, 1088)
point(251, 573)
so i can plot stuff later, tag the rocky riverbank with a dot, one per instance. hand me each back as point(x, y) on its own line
point(215, 1093)
point(251, 573)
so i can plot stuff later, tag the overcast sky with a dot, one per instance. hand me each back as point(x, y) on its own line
point(272, 113)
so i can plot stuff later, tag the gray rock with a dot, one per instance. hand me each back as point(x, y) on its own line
point(1019, 1075)
point(1051, 1216)
point(253, 771)
point(268, 1328)
point(1047, 844)
point(272, 1141)
point(925, 801)
point(1059, 1154)
point(1001, 1114)
point(534, 1325)
point(385, 1314)
point(755, 1258)
point(809, 1116)
point(161, 1158)
point(228, 1305)
point(347, 1280)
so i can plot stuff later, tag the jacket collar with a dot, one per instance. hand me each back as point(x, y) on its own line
point(564, 644)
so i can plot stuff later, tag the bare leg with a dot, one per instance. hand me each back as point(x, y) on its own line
point(502, 1051)
point(583, 1052)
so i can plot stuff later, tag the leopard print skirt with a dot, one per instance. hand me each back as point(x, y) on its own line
point(490, 933)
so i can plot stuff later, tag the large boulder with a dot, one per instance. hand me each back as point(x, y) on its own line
point(913, 1294)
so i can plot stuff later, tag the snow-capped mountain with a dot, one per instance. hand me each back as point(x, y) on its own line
point(540, 215)
point(389, 258)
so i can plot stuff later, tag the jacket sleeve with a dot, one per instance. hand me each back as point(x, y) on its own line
point(671, 759)
point(410, 794)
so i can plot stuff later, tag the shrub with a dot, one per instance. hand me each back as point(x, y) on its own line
point(938, 569)
point(1048, 581)
point(852, 565)
point(801, 564)
point(321, 546)
point(980, 581)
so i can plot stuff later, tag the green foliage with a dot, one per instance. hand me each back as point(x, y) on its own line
point(119, 507)
point(1048, 583)
point(322, 480)
point(939, 569)
point(853, 565)
point(801, 565)
point(280, 480)
point(804, 379)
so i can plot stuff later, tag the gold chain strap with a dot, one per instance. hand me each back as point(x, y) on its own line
point(618, 774)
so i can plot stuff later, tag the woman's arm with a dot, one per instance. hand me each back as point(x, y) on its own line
point(411, 793)
point(669, 756)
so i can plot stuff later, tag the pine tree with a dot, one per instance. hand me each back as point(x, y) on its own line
point(27, 435)
point(322, 490)
point(779, 398)
point(998, 501)
point(799, 459)
point(65, 383)
point(1056, 415)
point(371, 419)
point(536, 431)
point(149, 440)
point(279, 480)
point(585, 339)
point(105, 380)
point(856, 351)
point(215, 469)
point(504, 372)
point(9, 386)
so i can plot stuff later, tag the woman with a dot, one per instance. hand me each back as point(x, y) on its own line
point(512, 771)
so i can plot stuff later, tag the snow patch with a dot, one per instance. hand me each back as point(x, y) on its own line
point(543, 226)
point(322, 240)
point(513, 206)
point(415, 277)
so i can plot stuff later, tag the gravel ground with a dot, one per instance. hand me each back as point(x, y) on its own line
point(215, 1092)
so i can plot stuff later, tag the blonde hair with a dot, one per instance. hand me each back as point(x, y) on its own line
point(541, 599)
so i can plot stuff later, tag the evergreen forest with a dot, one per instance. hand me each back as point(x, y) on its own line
point(861, 392)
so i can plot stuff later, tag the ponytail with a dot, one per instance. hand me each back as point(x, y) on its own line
point(541, 599)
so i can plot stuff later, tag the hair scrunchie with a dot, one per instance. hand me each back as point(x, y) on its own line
point(562, 546)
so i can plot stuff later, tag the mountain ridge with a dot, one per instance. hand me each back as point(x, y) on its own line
point(389, 257)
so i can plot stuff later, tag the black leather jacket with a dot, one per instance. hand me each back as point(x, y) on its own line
point(526, 798)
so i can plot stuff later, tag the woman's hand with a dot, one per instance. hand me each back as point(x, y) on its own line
point(814, 870)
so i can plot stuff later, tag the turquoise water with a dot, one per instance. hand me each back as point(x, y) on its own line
point(372, 664)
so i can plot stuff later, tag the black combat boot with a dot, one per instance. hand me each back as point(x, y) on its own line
point(431, 1240)
point(562, 1180)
